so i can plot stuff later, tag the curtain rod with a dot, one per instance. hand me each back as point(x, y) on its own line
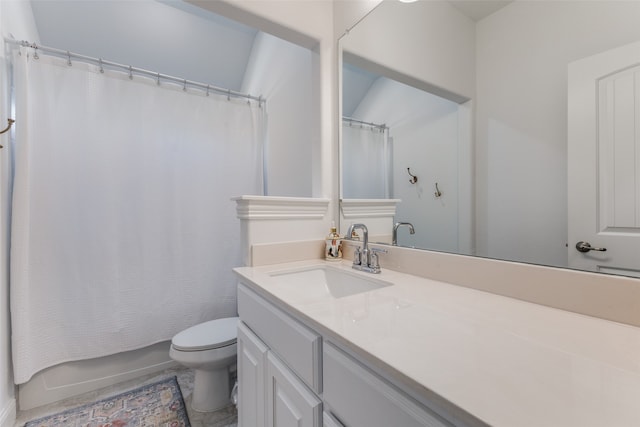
point(352, 120)
point(135, 70)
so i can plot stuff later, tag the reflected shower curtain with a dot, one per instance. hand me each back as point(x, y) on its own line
point(123, 232)
point(366, 162)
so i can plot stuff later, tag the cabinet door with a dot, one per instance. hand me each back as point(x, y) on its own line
point(252, 365)
point(289, 402)
point(329, 421)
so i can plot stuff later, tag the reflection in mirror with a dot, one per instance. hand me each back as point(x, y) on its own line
point(404, 158)
point(367, 152)
point(516, 195)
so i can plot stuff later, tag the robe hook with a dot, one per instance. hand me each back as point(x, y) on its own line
point(414, 178)
point(10, 122)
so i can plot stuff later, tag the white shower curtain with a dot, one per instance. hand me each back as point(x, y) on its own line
point(123, 232)
point(366, 162)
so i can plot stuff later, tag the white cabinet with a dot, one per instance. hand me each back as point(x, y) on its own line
point(278, 367)
point(284, 366)
point(361, 398)
point(329, 421)
point(252, 365)
point(289, 402)
point(297, 345)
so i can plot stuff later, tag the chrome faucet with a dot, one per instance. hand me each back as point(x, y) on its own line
point(394, 239)
point(365, 259)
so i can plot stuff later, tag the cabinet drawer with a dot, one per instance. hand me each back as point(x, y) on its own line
point(295, 344)
point(360, 398)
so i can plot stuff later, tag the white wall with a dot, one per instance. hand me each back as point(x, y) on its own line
point(309, 24)
point(433, 46)
point(16, 20)
point(522, 56)
point(283, 73)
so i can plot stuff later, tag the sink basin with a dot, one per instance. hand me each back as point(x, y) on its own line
point(323, 280)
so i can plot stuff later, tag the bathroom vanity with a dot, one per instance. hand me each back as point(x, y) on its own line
point(322, 345)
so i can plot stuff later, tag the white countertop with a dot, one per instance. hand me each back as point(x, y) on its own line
point(505, 361)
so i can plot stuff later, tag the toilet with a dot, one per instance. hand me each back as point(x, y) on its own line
point(210, 350)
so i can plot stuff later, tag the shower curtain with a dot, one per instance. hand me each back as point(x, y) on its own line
point(123, 232)
point(366, 162)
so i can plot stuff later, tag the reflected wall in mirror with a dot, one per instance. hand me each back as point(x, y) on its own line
point(506, 170)
point(407, 147)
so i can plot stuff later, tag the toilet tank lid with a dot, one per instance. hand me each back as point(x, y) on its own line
point(207, 335)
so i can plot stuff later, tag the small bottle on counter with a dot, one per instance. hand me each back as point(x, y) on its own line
point(333, 245)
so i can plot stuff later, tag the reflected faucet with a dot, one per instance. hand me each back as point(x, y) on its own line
point(365, 259)
point(394, 239)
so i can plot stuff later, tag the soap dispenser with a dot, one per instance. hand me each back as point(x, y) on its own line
point(333, 245)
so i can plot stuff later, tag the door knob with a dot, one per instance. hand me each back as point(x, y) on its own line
point(586, 247)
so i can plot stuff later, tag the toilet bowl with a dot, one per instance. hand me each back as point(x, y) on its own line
point(209, 349)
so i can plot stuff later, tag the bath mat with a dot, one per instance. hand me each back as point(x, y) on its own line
point(155, 405)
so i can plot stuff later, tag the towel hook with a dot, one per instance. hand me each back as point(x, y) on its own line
point(10, 123)
point(414, 178)
point(438, 193)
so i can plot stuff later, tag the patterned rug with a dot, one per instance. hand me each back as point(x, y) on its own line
point(155, 405)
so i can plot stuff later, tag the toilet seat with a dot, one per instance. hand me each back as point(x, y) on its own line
point(207, 336)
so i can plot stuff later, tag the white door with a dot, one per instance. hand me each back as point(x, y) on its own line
point(604, 161)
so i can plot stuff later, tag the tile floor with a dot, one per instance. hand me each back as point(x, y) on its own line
point(226, 417)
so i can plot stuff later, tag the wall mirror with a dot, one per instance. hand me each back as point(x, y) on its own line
point(479, 118)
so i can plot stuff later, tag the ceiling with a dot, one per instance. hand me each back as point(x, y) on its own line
point(479, 9)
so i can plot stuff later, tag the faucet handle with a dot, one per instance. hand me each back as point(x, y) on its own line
point(357, 256)
point(374, 260)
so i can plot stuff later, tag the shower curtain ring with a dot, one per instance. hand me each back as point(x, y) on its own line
point(68, 58)
point(208, 90)
point(130, 72)
point(158, 80)
point(100, 64)
point(35, 52)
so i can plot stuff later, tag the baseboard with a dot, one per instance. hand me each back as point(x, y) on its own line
point(8, 414)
